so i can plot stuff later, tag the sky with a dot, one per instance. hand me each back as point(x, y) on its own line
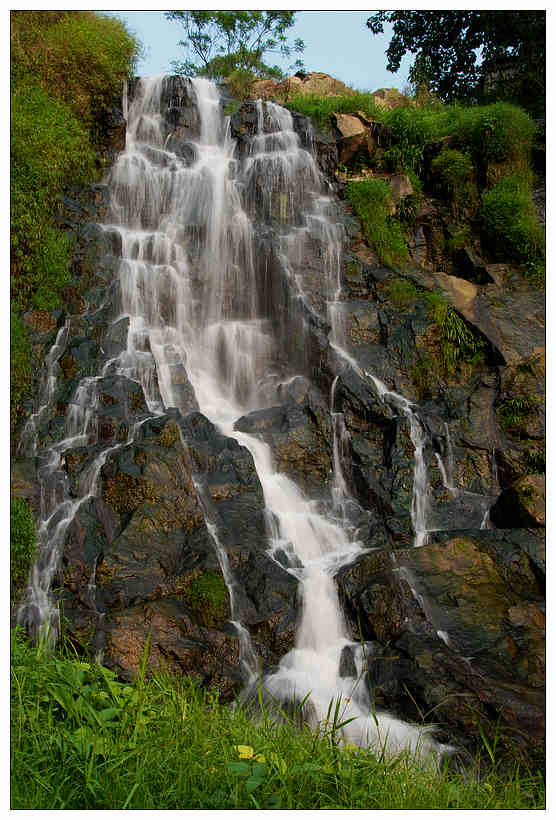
point(336, 42)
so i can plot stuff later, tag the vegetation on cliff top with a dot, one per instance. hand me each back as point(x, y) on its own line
point(478, 159)
point(66, 68)
point(83, 740)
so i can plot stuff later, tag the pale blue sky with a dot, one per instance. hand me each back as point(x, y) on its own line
point(337, 42)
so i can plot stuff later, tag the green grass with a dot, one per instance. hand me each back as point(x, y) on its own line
point(371, 200)
point(510, 225)
point(321, 108)
point(22, 546)
point(83, 740)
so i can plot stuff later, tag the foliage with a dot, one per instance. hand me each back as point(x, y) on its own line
point(510, 224)
point(22, 546)
point(321, 108)
point(83, 740)
point(457, 340)
point(66, 67)
point(447, 45)
point(222, 42)
point(453, 171)
point(239, 82)
point(80, 58)
point(372, 200)
point(402, 292)
point(514, 411)
point(534, 461)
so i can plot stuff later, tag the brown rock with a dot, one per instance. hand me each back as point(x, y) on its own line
point(390, 98)
point(353, 136)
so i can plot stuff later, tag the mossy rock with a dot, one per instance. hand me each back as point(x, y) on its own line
point(207, 594)
point(124, 493)
point(170, 434)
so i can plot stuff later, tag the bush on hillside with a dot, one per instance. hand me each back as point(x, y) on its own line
point(80, 57)
point(372, 200)
point(453, 172)
point(510, 225)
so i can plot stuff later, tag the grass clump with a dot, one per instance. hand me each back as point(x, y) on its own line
point(22, 546)
point(372, 202)
point(458, 343)
point(453, 171)
point(320, 109)
point(510, 225)
point(81, 739)
point(402, 292)
point(514, 412)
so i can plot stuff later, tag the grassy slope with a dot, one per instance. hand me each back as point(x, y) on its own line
point(82, 740)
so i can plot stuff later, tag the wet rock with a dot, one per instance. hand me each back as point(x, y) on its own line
point(470, 266)
point(522, 504)
point(177, 645)
point(460, 621)
point(299, 445)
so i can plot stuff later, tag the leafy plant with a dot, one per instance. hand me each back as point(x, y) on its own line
point(66, 68)
point(82, 739)
point(402, 292)
point(446, 45)
point(457, 340)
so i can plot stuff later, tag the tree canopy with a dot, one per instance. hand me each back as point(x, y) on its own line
point(221, 42)
point(471, 55)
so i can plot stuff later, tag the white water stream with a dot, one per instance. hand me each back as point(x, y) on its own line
point(190, 291)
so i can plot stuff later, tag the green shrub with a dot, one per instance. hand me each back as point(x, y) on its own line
point(66, 66)
point(80, 57)
point(453, 171)
point(510, 225)
point(239, 82)
point(22, 546)
point(499, 133)
point(514, 411)
point(372, 200)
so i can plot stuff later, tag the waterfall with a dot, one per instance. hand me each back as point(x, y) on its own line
point(192, 291)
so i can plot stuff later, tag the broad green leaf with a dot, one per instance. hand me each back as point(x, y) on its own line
point(238, 767)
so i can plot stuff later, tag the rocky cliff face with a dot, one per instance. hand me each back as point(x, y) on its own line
point(451, 628)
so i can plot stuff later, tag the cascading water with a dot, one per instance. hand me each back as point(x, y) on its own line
point(192, 294)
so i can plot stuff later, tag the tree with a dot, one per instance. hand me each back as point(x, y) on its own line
point(471, 55)
point(219, 43)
